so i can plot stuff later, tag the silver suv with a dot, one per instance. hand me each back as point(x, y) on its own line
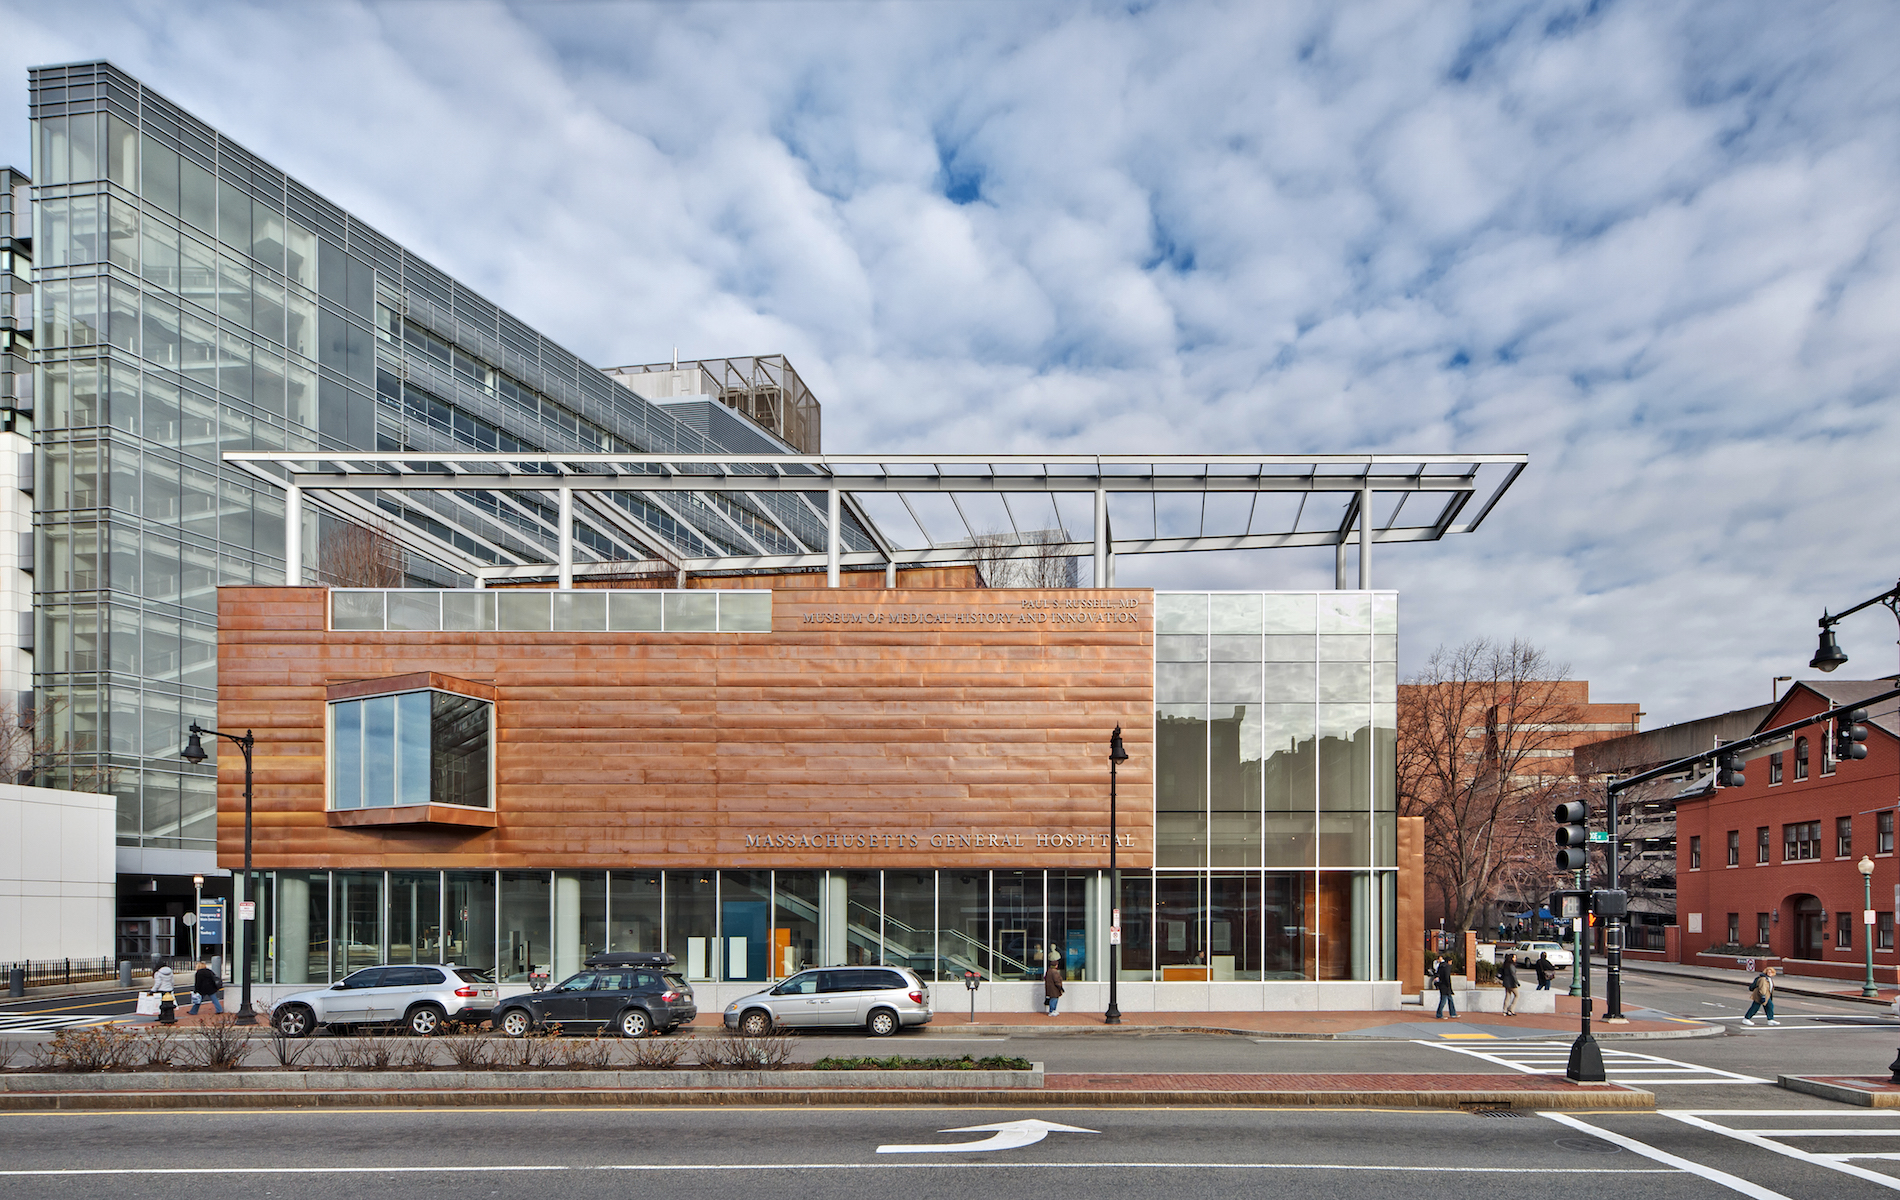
point(424, 998)
point(879, 999)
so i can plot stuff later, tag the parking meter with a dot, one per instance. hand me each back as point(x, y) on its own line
point(971, 981)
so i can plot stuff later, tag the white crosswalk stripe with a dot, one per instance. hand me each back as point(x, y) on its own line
point(1746, 1125)
point(47, 1022)
point(1621, 1066)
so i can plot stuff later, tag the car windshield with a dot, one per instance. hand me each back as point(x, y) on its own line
point(798, 985)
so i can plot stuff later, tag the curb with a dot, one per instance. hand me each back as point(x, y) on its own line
point(1624, 1099)
point(187, 1083)
point(1781, 985)
point(1840, 1093)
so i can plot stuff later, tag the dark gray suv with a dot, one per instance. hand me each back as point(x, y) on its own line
point(631, 994)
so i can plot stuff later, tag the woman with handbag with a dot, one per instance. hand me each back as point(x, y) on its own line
point(167, 1002)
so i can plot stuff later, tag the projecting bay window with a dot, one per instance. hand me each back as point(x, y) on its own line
point(408, 755)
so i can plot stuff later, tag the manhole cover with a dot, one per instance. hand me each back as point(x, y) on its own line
point(1588, 1146)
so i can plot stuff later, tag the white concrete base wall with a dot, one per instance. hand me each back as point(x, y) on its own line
point(1491, 1000)
point(57, 884)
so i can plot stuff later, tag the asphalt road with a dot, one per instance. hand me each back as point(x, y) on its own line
point(745, 1152)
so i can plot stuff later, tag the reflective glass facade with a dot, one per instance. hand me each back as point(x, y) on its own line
point(193, 300)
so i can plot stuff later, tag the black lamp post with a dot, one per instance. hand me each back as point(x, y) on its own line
point(194, 753)
point(1117, 755)
point(1828, 654)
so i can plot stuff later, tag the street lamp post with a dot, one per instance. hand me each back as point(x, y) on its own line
point(194, 753)
point(1866, 868)
point(1117, 755)
point(197, 919)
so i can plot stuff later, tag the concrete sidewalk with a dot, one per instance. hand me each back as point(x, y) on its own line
point(1405, 1025)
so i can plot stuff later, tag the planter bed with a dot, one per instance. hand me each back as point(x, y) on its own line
point(21, 1083)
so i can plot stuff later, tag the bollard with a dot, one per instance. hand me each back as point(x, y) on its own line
point(16, 981)
point(125, 972)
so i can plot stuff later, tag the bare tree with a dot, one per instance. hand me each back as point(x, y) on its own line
point(36, 749)
point(1029, 560)
point(355, 555)
point(1480, 731)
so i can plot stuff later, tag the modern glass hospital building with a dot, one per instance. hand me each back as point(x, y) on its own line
point(544, 659)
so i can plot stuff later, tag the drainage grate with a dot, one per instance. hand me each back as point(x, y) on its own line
point(1494, 1112)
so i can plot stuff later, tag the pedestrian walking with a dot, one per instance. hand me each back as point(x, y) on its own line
point(1545, 969)
point(162, 983)
point(205, 985)
point(1763, 991)
point(1052, 985)
point(1441, 973)
point(1507, 975)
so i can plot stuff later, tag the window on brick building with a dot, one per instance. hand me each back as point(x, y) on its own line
point(1774, 768)
point(1843, 837)
point(1761, 843)
point(1843, 931)
point(1883, 931)
point(1695, 853)
point(1800, 841)
point(1800, 758)
point(1734, 929)
point(1883, 827)
point(1734, 847)
point(1761, 929)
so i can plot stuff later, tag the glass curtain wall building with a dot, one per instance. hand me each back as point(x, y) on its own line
point(194, 300)
point(16, 445)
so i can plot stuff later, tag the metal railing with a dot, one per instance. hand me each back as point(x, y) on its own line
point(62, 970)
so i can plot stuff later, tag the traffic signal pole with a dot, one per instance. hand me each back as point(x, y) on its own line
point(1613, 940)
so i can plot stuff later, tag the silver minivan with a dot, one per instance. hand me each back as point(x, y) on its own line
point(881, 1000)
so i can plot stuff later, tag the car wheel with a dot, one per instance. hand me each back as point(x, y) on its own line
point(756, 1023)
point(425, 1019)
point(516, 1022)
point(635, 1023)
point(294, 1020)
point(883, 1023)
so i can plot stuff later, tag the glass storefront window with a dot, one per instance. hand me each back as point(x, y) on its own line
point(1020, 947)
point(692, 921)
point(1075, 924)
point(633, 907)
point(795, 926)
point(1233, 926)
point(963, 914)
point(745, 912)
point(358, 920)
point(580, 919)
point(470, 908)
point(415, 917)
point(910, 920)
point(1138, 927)
point(863, 922)
point(302, 940)
point(527, 938)
point(1180, 934)
point(1284, 915)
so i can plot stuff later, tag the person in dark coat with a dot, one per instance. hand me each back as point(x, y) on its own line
point(1507, 975)
point(1441, 975)
point(205, 985)
point(1052, 985)
point(1545, 969)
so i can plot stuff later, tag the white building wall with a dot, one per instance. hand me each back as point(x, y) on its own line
point(16, 571)
point(57, 886)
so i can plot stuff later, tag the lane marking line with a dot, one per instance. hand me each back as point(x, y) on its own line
point(1722, 1178)
point(1769, 1144)
point(870, 1166)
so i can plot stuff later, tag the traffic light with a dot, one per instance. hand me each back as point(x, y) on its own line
point(1850, 732)
point(1572, 838)
point(1728, 770)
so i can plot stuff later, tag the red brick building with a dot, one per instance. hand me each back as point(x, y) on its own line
point(1768, 870)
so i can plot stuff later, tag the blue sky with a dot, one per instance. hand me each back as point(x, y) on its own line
point(1654, 246)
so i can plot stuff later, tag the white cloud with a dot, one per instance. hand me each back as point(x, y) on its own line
point(1652, 245)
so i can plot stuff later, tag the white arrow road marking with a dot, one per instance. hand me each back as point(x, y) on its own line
point(1008, 1135)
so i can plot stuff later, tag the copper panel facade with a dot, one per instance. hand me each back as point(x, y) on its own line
point(869, 728)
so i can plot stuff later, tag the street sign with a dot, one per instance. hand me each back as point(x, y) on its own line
point(1599, 835)
point(1114, 935)
point(189, 919)
point(247, 911)
point(211, 922)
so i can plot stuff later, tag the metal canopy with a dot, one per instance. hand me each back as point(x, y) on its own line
point(929, 509)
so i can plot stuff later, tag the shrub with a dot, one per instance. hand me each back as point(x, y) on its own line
point(414, 1054)
point(655, 1054)
point(157, 1046)
point(89, 1048)
point(469, 1050)
point(1487, 972)
point(220, 1044)
point(288, 1051)
point(586, 1054)
point(735, 1052)
point(529, 1053)
point(357, 1054)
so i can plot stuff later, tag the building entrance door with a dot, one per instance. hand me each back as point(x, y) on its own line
point(1810, 927)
